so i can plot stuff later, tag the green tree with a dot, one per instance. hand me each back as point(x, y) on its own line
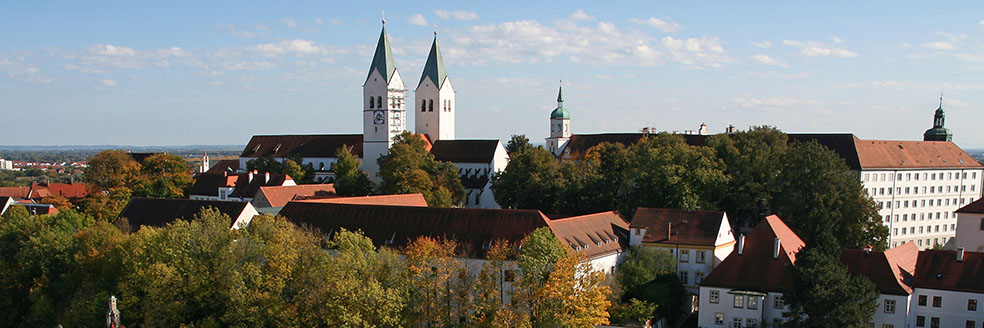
point(648, 278)
point(517, 144)
point(409, 168)
point(110, 169)
point(164, 176)
point(824, 293)
point(643, 265)
point(753, 159)
point(350, 179)
point(818, 194)
point(532, 180)
point(106, 207)
point(61, 203)
point(669, 173)
point(265, 164)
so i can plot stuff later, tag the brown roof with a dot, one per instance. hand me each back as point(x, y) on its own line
point(277, 196)
point(416, 200)
point(913, 154)
point(207, 184)
point(15, 192)
point(977, 207)
point(938, 269)
point(904, 257)
point(223, 165)
point(844, 144)
point(68, 190)
point(595, 234)
point(398, 225)
point(465, 151)
point(248, 187)
point(688, 227)
point(315, 145)
point(883, 268)
point(158, 212)
point(755, 269)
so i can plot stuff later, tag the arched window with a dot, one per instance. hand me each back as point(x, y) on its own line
point(379, 100)
point(423, 105)
point(372, 102)
point(430, 105)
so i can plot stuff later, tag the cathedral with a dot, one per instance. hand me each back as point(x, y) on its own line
point(384, 116)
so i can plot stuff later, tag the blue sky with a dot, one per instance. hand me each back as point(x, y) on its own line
point(217, 72)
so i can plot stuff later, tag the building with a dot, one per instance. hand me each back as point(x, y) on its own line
point(938, 132)
point(560, 126)
point(158, 212)
point(384, 111)
point(412, 200)
point(270, 199)
point(970, 227)
point(435, 86)
point(239, 187)
point(6, 165)
point(891, 271)
point(948, 289)
point(698, 240)
point(477, 161)
point(5, 202)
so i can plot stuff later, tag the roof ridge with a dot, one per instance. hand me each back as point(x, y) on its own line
point(383, 60)
point(434, 66)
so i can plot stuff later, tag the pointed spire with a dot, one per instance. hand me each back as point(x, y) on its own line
point(560, 94)
point(560, 112)
point(383, 60)
point(434, 67)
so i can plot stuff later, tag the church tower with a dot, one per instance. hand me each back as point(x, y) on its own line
point(434, 101)
point(938, 132)
point(383, 111)
point(560, 125)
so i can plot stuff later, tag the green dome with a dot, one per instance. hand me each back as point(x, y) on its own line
point(560, 112)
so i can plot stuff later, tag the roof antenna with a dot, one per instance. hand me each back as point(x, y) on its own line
point(383, 13)
point(435, 30)
point(941, 99)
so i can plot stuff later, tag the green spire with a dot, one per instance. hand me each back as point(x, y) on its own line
point(560, 95)
point(560, 112)
point(383, 60)
point(938, 132)
point(434, 67)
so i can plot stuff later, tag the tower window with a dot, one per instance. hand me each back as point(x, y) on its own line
point(430, 105)
point(372, 102)
point(423, 105)
point(379, 100)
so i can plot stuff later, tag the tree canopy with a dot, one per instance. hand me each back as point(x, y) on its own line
point(350, 179)
point(409, 168)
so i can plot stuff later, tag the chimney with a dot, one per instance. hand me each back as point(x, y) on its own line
point(266, 177)
point(775, 249)
point(960, 254)
point(669, 230)
point(867, 250)
point(741, 244)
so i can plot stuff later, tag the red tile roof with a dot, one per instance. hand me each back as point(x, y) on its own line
point(72, 191)
point(315, 145)
point(977, 207)
point(937, 269)
point(904, 257)
point(688, 227)
point(277, 196)
point(755, 269)
point(883, 268)
point(596, 234)
point(416, 200)
point(913, 154)
point(465, 151)
point(248, 187)
point(15, 192)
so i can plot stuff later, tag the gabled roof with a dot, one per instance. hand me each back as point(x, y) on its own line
point(844, 144)
point(884, 269)
point(6, 201)
point(976, 207)
point(416, 200)
point(465, 151)
point(248, 187)
point(222, 166)
point(158, 212)
point(434, 67)
point(688, 227)
point(16, 192)
point(755, 269)
point(595, 234)
point(875, 154)
point(938, 269)
point(277, 196)
point(208, 184)
point(396, 226)
point(383, 59)
point(313, 145)
point(67, 190)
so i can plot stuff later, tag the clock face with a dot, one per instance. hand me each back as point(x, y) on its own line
point(378, 117)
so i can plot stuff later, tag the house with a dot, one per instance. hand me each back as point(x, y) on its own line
point(74, 192)
point(415, 200)
point(698, 240)
point(270, 199)
point(318, 150)
point(240, 187)
point(478, 161)
point(948, 288)
point(970, 227)
point(158, 212)
point(5, 202)
point(891, 271)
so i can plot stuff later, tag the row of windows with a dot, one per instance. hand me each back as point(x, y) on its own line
point(736, 322)
point(929, 229)
point(915, 176)
point(684, 256)
point(915, 190)
point(427, 105)
point(934, 322)
point(377, 102)
point(922, 216)
point(917, 204)
point(685, 277)
point(739, 300)
point(938, 302)
point(920, 243)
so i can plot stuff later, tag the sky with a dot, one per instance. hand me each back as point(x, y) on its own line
point(218, 72)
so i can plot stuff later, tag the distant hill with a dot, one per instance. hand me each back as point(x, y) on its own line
point(71, 153)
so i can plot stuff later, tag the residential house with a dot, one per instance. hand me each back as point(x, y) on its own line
point(270, 199)
point(478, 161)
point(158, 212)
point(239, 187)
point(948, 289)
point(970, 227)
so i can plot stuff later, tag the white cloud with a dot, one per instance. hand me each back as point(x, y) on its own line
point(940, 45)
point(417, 19)
point(581, 15)
point(775, 103)
point(819, 49)
point(762, 44)
point(18, 68)
point(290, 22)
point(319, 21)
point(456, 14)
point(764, 59)
point(836, 39)
point(100, 58)
point(336, 21)
point(292, 47)
point(659, 24)
point(232, 29)
point(108, 83)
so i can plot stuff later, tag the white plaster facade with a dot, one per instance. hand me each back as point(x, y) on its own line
point(953, 310)
point(722, 307)
point(919, 205)
point(694, 262)
point(435, 108)
point(244, 218)
point(482, 197)
point(970, 232)
point(381, 122)
point(5, 205)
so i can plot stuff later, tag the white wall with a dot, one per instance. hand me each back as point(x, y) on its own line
point(969, 234)
point(953, 310)
point(245, 217)
point(439, 123)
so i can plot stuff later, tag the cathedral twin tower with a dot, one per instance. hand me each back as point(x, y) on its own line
point(384, 107)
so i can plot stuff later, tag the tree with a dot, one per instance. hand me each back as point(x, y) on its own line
point(517, 144)
point(753, 162)
point(648, 278)
point(824, 293)
point(111, 169)
point(490, 308)
point(669, 173)
point(350, 179)
point(106, 207)
point(431, 272)
point(61, 203)
point(643, 265)
point(409, 168)
point(164, 176)
point(818, 194)
point(531, 180)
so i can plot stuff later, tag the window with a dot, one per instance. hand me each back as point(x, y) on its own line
point(719, 318)
point(714, 296)
point(701, 256)
point(379, 101)
point(889, 306)
point(638, 231)
point(684, 255)
point(922, 300)
point(934, 322)
point(736, 323)
point(777, 302)
point(684, 277)
point(982, 224)
point(920, 321)
point(751, 323)
point(698, 278)
point(753, 302)
point(937, 301)
point(430, 105)
point(971, 305)
point(888, 326)
point(739, 301)
point(971, 324)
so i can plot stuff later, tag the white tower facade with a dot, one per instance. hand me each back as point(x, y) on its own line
point(560, 126)
point(384, 111)
point(435, 102)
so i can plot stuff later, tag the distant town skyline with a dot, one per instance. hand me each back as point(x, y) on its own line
point(183, 73)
